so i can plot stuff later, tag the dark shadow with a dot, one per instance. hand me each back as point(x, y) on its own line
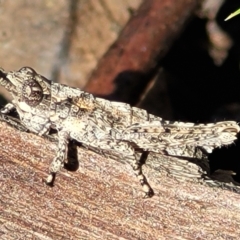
point(3, 101)
point(226, 158)
point(197, 87)
point(129, 86)
point(72, 156)
point(143, 158)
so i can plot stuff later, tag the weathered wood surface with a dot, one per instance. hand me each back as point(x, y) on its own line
point(102, 199)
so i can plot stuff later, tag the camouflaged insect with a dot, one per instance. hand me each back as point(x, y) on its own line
point(112, 128)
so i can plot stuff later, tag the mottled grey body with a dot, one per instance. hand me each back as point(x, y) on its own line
point(113, 128)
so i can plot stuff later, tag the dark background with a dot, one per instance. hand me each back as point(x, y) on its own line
point(199, 90)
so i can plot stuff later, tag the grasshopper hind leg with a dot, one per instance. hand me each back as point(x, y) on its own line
point(137, 161)
point(127, 152)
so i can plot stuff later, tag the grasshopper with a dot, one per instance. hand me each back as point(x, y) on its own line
point(112, 128)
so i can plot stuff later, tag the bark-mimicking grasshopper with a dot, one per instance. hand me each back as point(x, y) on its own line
point(113, 127)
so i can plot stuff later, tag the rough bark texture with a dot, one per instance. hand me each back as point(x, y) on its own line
point(102, 200)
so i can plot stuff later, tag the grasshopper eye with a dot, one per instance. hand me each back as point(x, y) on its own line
point(32, 93)
point(27, 70)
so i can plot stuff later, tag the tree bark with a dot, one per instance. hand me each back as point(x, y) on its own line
point(102, 198)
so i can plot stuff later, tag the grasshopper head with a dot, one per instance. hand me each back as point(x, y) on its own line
point(25, 85)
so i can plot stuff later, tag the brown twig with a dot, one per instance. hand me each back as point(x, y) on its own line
point(122, 74)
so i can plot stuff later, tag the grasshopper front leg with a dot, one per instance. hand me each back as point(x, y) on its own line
point(58, 161)
point(8, 108)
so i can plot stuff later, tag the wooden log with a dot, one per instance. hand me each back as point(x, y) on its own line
point(102, 199)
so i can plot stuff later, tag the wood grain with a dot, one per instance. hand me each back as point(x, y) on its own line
point(102, 199)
